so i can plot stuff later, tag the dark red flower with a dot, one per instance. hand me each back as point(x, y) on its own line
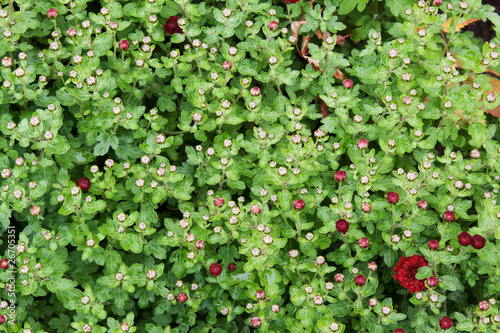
point(464, 238)
point(445, 322)
point(478, 242)
point(215, 269)
point(422, 204)
point(438, 2)
point(392, 197)
point(449, 216)
point(299, 204)
point(433, 244)
point(406, 269)
point(182, 297)
point(2, 319)
point(340, 176)
point(171, 26)
point(124, 44)
point(291, 1)
point(83, 183)
point(231, 266)
point(342, 225)
point(399, 330)
point(4, 263)
point(360, 280)
point(433, 281)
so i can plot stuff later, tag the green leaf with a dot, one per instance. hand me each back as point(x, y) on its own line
point(478, 133)
point(452, 283)
point(58, 284)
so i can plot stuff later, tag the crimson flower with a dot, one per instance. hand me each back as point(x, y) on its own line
point(215, 269)
point(445, 322)
point(83, 183)
point(340, 176)
point(449, 216)
point(464, 238)
point(124, 44)
point(406, 269)
point(299, 204)
point(291, 1)
point(392, 197)
point(478, 242)
point(342, 225)
point(171, 26)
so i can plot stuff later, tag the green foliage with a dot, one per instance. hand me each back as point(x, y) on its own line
point(200, 145)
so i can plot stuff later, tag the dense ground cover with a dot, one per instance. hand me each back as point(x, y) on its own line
point(223, 166)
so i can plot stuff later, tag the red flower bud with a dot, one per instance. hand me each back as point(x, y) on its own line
point(392, 197)
point(342, 225)
point(360, 280)
point(340, 176)
point(478, 242)
point(218, 202)
point(273, 25)
point(182, 297)
point(362, 144)
point(4, 263)
point(445, 322)
point(438, 2)
point(231, 267)
point(347, 83)
point(215, 269)
point(464, 238)
point(299, 204)
point(52, 13)
point(2, 319)
point(123, 44)
point(83, 183)
point(433, 281)
point(433, 244)
point(363, 242)
point(449, 216)
point(422, 204)
point(399, 330)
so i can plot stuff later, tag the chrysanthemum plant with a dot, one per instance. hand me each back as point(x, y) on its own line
point(272, 166)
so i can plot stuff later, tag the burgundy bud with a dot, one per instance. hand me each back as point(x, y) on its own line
point(478, 242)
point(215, 269)
point(123, 44)
point(449, 216)
point(340, 176)
point(392, 197)
point(342, 225)
point(433, 244)
point(84, 184)
point(360, 280)
point(445, 322)
point(464, 238)
point(299, 204)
